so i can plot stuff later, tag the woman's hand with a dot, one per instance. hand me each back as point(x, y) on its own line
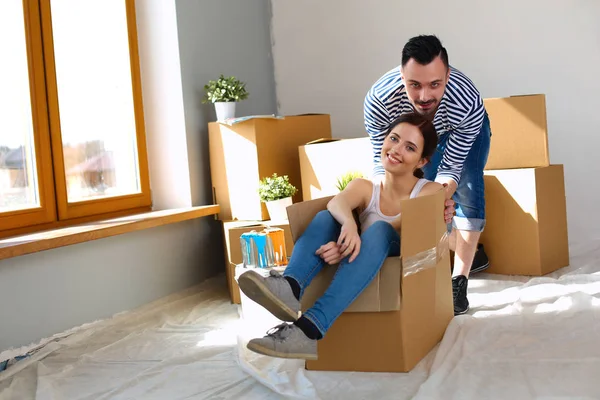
point(330, 253)
point(349, 240)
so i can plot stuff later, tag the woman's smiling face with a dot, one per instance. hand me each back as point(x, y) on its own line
point(402, 149)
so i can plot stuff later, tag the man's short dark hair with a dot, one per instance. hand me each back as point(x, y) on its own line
point(423, 49)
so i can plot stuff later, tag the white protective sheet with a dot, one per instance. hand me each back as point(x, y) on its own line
point(525, 338)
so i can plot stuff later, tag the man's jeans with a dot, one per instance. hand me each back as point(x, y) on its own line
point(469, 196)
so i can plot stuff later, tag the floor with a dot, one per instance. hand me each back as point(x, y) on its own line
point(524, 338)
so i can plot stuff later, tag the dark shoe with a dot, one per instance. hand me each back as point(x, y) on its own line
point(480, 261)
point(459, 292)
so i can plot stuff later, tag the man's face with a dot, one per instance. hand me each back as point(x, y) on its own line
point(425, 84)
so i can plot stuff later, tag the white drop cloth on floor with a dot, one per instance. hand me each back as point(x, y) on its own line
point(524, 338)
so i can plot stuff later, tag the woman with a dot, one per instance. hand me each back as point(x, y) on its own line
point(332, 237)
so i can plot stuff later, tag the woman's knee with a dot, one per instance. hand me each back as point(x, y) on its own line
point(324, 222)
point(382, 235)
point(324, 216)
point(382, 229)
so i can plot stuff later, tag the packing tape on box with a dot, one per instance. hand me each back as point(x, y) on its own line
point(425, 259)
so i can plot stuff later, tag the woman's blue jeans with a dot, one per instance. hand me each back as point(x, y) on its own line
point(378, 242)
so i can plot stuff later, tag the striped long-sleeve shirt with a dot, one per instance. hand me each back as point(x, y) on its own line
point(460, 111)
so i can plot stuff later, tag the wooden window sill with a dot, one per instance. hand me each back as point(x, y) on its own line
point(51, 239)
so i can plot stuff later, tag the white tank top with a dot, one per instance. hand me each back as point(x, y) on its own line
point(373, 213)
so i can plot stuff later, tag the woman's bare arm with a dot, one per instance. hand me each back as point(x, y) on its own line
point(356, 194)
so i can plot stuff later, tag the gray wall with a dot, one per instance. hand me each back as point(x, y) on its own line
point(48, 292)
point(228, 37)
point(51, 291)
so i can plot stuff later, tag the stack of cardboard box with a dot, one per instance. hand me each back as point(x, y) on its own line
point(526, 229)
point(408, 305)
point(243, 153)
point(405, 310)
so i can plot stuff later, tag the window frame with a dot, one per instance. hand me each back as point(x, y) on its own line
point(55, 210)
point(86, 208)
point(46, 212)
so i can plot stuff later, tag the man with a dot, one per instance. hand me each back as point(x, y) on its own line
point(427, 84)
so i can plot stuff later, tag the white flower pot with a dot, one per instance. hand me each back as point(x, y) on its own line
point(277, 209)
point(225, 110)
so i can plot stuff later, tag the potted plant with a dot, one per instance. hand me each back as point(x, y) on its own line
point(224, 93)
point(276, 192)
point(344, 179)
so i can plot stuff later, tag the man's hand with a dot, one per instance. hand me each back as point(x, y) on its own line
point(449, 210)
point(330, 253)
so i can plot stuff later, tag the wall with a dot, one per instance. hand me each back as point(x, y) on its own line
point(182, 44)
point(48, 292)
point(228, 37)
point(327, 55)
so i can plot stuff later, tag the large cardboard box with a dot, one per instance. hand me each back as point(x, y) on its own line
point(526, 228)
point(232, 230)
point(519, 132)
point(404, 311)
point(322, 162)
point(244, 153)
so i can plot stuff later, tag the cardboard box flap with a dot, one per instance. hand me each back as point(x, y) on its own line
point(515, 96)
point(425, 259)
point(428, 240)
point(239, 120)
point(519, 132)
point(323, 140)
point(301, 214)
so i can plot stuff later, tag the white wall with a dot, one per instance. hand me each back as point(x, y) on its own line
point(164, 115)
point(327, 55)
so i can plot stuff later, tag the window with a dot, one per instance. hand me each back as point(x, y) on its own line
point(72, 138)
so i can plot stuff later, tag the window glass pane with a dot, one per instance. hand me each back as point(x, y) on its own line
point(95, 98)
point(18, 176)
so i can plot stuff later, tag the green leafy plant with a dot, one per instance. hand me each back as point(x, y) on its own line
point(275, 188)
point(224, 89)
point(344, 179)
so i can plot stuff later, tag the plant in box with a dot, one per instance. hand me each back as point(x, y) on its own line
point(276, 192)
point(224, 93)
point(344, 179)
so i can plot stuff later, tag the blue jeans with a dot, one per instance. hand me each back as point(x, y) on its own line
point(378, 242)
point(469, 196)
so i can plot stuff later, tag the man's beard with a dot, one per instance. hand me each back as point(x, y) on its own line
point(429, 111)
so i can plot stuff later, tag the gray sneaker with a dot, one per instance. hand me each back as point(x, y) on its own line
point(285, 341)
point(272, 292)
